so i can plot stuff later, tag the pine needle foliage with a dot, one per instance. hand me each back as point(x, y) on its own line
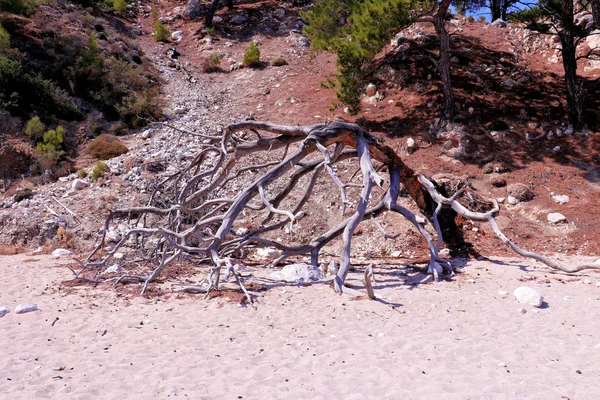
point(356, 31)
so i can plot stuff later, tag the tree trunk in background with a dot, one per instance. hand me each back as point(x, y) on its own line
point(495, 9)
point(208, 22)
point(596, 13)
point(444, 60)
point(575, 92)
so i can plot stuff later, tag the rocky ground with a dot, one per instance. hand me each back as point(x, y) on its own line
point(511, 139)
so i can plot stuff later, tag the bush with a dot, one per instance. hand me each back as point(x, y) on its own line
point(82, 174)
point(99, 170)
point(481, 18)
point(252, 56)
point(107, 146)
point(23, 194)
point(470, 18)
point(4, 39)
point(161, 32)
point(138, 109)
point(35, 129)
point(212, 64)
point(120, 6)
point(23, 7)
point(279, 62)
point(49, 151)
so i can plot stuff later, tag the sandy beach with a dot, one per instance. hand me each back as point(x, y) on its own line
point(460, 339)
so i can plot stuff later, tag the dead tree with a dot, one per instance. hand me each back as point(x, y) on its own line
point(192, 211)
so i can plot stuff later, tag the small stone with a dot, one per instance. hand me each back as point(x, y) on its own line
point(371, 90)
point(119, 256)
point(501, 200)
point(561, 198)
point(147, 134)
point(502, 292)
point(587, 281)
point(26, 308)
point(146, 322)
point(513, 200)
point(502, 365)
point(567, 298)
point(527, 295)
point(396, 253)
point(508, 83)
point(522, 310)
point(411, 145)
point(61, 253)
point(4, 310)
point(238, 20)
point(556, 218)
point(471, 110)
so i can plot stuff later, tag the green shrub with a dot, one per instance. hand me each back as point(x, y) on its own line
point(161, 32)
point(4, 39)
point(49, 151)
point(279, 62)
point(107, 146)
point(82, 174)
point(481, 18)
point(23, 7)
point(99, 170)
point(23, 194)
point(470, 18)
point(252, 56)
point(216, 60)
point(35, 129)
point(139, 108)
point(120, 6)
point(93, 55)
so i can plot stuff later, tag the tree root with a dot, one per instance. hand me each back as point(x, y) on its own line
point(193, 213)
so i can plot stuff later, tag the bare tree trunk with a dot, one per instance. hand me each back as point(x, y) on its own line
point(596, 13)
point(444, 60)
point(208, 22)
point(575, 92)
point(495, 9)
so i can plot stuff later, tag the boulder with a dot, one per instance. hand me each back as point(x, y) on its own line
point(177, 35)
point(593, 41)
point(79, 184)
point(193, 9)
point(508, 83)
point(298, 273)
point(561, 198)
point(4, 310)
point(61, 253)
point(520, 192)
point(499, 23)
point(556, 218)
point(527, 295)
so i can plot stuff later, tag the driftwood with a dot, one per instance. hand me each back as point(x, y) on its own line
point(192, 212)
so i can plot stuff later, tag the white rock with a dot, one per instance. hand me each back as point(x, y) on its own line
point(177, 35)
point(587, 281)
point(113, 269)
point(298, 273)
point(79, 184)
point(371, 90)
point(527, 295)
point(113, 236)
point(4, 310)
point(267, 253)
point(502, 292)
point(119, 256)
point(147, 134)
point(26, 308)
point(502, 365)
point(556, 218)
point(61, 253)
point(471, 110)
point(513, 200)
point(396, 253)
point(499, 23)
point(561, 198)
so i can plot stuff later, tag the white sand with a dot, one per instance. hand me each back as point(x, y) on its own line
point(447, 340)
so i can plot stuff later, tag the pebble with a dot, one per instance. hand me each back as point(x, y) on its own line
point(4, 310)
point(527, 295)
point(567, 298)
point(502, 365)
point(26, 308)
point(561, 198)
point(522, 310)
point(587, 281)
point(119, 256)
point(502, 292)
